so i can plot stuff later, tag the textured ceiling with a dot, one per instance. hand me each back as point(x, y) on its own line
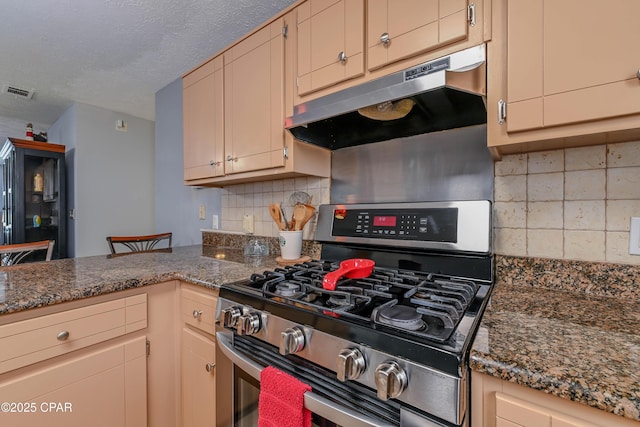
point(114, 54)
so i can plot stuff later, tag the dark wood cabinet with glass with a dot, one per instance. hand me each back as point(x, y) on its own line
point(34, 193)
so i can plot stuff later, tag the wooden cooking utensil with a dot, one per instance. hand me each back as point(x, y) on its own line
point(299, 215)
point(276, 214)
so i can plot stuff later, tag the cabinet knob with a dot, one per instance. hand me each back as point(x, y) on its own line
point(638, 74)
point(214, 163)
point(62, 336)
point(209, 367)
point(231, 159)
point(342, 57)
point(385, 39)
point(197, 313)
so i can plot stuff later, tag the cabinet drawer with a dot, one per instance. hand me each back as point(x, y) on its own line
point(199, 309)
point(34, 340)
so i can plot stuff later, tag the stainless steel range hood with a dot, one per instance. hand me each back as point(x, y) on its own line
point(442, 94)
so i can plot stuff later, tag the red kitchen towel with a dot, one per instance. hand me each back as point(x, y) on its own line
point(281, 401)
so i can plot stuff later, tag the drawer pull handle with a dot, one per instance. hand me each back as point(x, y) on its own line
point(62, 336)
point(385, 39)
point(197, 313)
point(342, 57)
point(209, 366)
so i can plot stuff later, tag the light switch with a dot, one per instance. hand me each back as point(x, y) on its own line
point(202, 213)
point(247, 224)
point(634, 236)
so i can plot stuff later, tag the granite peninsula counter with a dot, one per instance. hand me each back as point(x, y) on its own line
point(570, 329)
point(28, 286)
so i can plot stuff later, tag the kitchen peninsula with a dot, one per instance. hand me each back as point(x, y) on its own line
point(549, 338)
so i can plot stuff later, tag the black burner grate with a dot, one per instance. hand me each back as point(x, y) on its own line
point(425, 304)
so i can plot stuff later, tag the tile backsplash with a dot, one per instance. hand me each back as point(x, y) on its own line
point(254, 199)
point(574, 203)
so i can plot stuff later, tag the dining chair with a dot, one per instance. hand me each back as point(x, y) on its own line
point(136, 244)
point(17, 252)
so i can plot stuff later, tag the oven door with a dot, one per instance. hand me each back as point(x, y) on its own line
point(238, 389)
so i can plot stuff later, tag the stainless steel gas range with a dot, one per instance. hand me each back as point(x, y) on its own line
point(385, 347)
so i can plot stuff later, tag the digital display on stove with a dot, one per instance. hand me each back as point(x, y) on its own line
point(429, 224)
point(385, 221)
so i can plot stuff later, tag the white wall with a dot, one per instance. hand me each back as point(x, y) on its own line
point(64, 132)
point(177, 205)
point(112, 187)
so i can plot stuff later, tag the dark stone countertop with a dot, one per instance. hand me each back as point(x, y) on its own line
point(565, 328)
point(27, 286)
point(579, 341)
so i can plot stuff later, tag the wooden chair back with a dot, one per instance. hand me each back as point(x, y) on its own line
point(124, 245)
point(16, 253)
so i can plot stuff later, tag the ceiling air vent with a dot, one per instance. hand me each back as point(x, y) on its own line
point(18, 92)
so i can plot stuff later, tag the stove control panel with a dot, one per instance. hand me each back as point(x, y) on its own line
point(461, 226)
point(435, 224)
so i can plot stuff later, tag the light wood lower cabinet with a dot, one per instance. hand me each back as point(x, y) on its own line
point(198, 353)
point(497, 403)
point(198, 379)
point(102, 388)
point(110, 360)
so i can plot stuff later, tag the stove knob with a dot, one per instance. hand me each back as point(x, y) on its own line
point(248, 324)
point(230, 316)
point(291, 340)
point(350, 364)
point(391, 380)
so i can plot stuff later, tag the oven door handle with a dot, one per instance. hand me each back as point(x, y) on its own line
point(312, 401)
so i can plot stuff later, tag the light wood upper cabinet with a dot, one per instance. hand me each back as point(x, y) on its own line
point(562, 70)
point(203, 121)
point(330, 43)
point(397, 29)
point(254, 101)
point(242, 133)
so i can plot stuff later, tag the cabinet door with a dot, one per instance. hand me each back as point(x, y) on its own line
point(203, 121)
point(398, 29)
point(198, 380)
point(254, 101)
point(571, 68)
point(104, 388)
point(330, 43)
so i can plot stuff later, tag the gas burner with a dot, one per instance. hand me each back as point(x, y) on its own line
point(287, 289)
point(338, 300)
point(400, 316)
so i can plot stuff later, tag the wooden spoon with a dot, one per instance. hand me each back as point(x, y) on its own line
point(299, 215)
point(276, 214)
point(310, 211)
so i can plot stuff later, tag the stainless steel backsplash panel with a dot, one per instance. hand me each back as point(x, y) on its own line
point(442, 166)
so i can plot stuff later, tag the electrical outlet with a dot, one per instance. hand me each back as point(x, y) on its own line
point(202, 214)
point(247, 224)
point(215, 224)
point(634, 236)
point(121, 125)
